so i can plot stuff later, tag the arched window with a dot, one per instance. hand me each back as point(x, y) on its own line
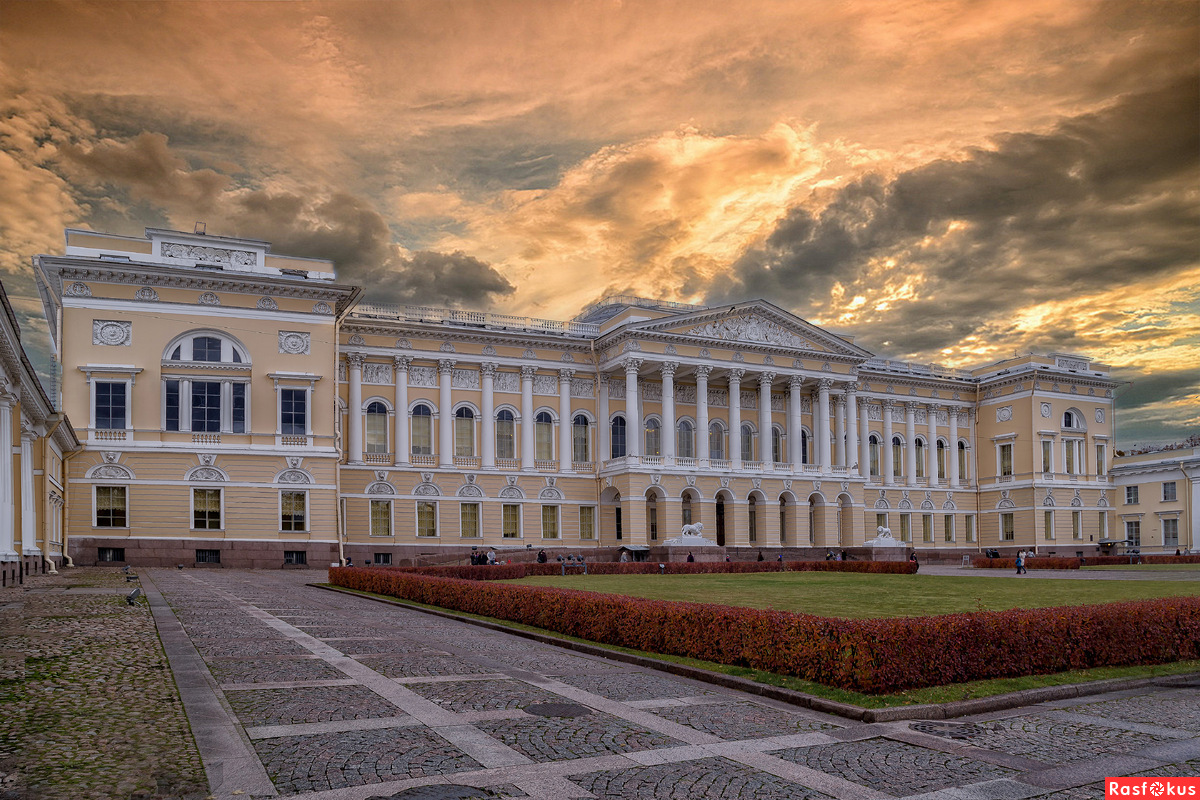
point(506, 434)
point(422, 430)
point(1069, 420)
point(464, 432)
point(652, 516)
point(618, 437)
point(580, 439)
point(747, 443)
point(777, 446)
point(753, 519)
point(543, 434)
point(921, 458)
point(653, 437)
point(686, 508)
point(376, 427)
point(686, 447)
point(206, 402)
point(897, 457)
point(782, 521)
point(716, 441)
point(941, 460)
point(208, 348)
point(804, 459)
point(873, 452)
point(962, 461)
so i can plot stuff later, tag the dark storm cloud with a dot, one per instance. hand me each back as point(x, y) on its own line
point(1102, 200)
point(1151, 388)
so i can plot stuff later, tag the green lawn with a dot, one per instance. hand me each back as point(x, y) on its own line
point(853, 595)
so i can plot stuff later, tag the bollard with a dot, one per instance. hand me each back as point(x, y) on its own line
point(662, 569)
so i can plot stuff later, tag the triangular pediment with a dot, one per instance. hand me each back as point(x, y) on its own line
point(751, 325)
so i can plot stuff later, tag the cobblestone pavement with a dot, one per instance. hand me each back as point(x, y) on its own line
point(294, 690)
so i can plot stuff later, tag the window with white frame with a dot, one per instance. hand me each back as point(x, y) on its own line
point(1133, 532)
point(1008, 529)
point(1131, 495)
point(510, 519)
point(873, 454)
point(927, 527)
point(506, 434)
point(716, 441)
point(1101, 461)
point(906, 527)
point(207, 348)
point(1073, 456)
point(112, 509)
point(941, 460)
point(381, 518)
point(962, 461)
point(1006, 460)
point(617, 437)
point(747, 442)
point(1170, 531)
point(969, 523)
point(1076, 524)
point(805, 455)
point(752, 511)
point(110, 404)
point(653, 437)
point(880, 520)
point(581, 439)
point(422, 430)
point(1168, 492)
point(293, 511)
point(587, 522)
point(543, 435)
point(427, 519)
point(686, 442)
point(686, 508)
point(1048, 525)
point(1047, 455)
point(213, 406)
point(1102, 523)
point(464, 432)
point(897, 456)
point(376, 427)
point(468, 520)
point(549, 522)
point(206, 509)
point(777, 454)
point(293, 411)
point(948, 527)
point(921, 453)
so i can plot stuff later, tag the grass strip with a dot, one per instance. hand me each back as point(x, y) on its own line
point(931, 694)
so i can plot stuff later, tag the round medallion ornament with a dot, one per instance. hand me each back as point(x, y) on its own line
point(293, 343)
point(113, 333)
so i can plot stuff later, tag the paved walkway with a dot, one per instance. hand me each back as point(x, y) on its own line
point(294, 690)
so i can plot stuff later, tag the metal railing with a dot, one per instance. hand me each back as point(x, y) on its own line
point(475, 319)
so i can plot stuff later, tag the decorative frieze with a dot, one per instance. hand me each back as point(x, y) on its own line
point(749, 399)
point(77, 289)
point(717, 397)
point(507, 382)
point(582, 387)
point(146, 293)
point(545, 384)
point(208, 299)
point(224, 256)
point(422, 377)
point(377, 373)
point(749, 328)
point(322, 308)
point(267, 304)
point(464, 379)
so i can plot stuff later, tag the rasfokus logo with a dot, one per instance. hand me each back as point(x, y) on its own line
point(1151, 787)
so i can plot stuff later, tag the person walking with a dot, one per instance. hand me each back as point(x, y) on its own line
point(1021, 562)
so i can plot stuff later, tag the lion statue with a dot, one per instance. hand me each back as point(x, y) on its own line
point(695, 529)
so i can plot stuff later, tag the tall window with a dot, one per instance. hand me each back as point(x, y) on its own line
point(881, 520)
point(581, 450)
point(873, 453)
point(962, 461)
point(782, 521)
point(464, 432)
point(948, 527)
point(1101, 467)
point(1069, 455)
point(1102, 528)
point(205, 406)
point(941, 460)
point(927, 527)
point(422, 430)
point(921, 452)
point(1006, 461)
point(510, 516)
point(468, 520)
point(686, 509)
point(1133, 532)
point(293, 511)
point(687, 440)
point(1008, 531)
point(426, 519)
point(777, 446)
point(1076, 524)
point(653, 437)
point(549, 522)
point(805, 457)
point(206, 509)
point(897, 456)
point(716, 441)
point(747, 443)
point(906, 527)
point(543, 434)
point(293, 412)
point(618, 437)
point(111, 511)
point(1048, 525)
point(1047, 455)
point(753, 519)
point(381, 518)
point(376, 427)
point(506, 434)
point(110, 405)
point(1170, 529)
point(587, 522)
point(970, 523)
point(652, 517)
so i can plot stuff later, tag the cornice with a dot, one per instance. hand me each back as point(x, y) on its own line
point(461, 334)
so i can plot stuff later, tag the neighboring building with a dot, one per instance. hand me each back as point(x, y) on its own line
point(34, 442)
point(1158, 495)
point(236, 400)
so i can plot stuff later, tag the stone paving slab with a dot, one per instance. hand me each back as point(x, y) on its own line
point(312, 704)
point(714, 777)
point(742, 720)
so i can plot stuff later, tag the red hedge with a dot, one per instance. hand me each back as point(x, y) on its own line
point(1037, 562)
point(874, 656)
point(504, 572)
point(1100, 561)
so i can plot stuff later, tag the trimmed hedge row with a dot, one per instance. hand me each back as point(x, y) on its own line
point(503, 572)
point(873, 656)
point(1100, 561)
point(1042, 562)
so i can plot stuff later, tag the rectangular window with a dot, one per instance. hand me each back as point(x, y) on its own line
point(1076, 524)
point(427, 519)
point(206, 407)
point(293, 412)
point(109, 554)
point(1133, 533)
point(652, 521)
point(1069, 453)
point(111, 509)
point(468, 520)
point(239, 407)
point(1047, 455)
point(1006, 462)
point(970, 522)
point(511, 521)
point(464, 436)
point(873, 455)
point(897, 456)
point(1048, 525)
point(880, 521)
point(921, 451)
point(948, 527)
point(1101, 468)
point(587, 522)
point(1131, 495)
point(110, 406)
point(1103, 525)
point(1169, 492)
point(549, 522)
point(505, 437)
point(906, 527)
point(381, 518)
point(1008, 531)
point(422, 434)
point(927, 527)
point(208, 556)
point(382, 559)
point(543, 433)
point(295, 557)
point(579, 443)
point(617, 514)
point(206, 509)
point(753, 520)
point(941, 461)
point(293, 511)
point(171, 405)
point(1170, 529)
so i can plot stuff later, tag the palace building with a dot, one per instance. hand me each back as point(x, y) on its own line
point(241, 407)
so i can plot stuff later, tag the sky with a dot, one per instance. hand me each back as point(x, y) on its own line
point(949, 182)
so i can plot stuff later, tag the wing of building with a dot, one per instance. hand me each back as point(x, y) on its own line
point(242, 407)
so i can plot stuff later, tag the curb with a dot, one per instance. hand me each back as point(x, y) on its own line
point(955, 708)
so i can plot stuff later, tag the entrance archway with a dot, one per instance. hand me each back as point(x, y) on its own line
point(845, 521)
point(816, 520)
point(720, 517)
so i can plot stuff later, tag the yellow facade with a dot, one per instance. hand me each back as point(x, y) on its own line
point(1157, 496)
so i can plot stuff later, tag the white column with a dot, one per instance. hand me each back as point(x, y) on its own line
point(765, 454)
point(822, 435)
point(668, 410)
point(702, 451)
point(931, 469)
point(633, 417)
point(527, 442)
point(852, 461)
point(445, 414)
point(7, 509)
point(795, 423)
point(354, 415)
point(889, 464)
point(603, 424)
point(564, 420)
point(952, 455)
point(910, 443)
point(839, 430)
point(735, 417)
point(487, 383)
point(400, 433)
point(28, 504)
